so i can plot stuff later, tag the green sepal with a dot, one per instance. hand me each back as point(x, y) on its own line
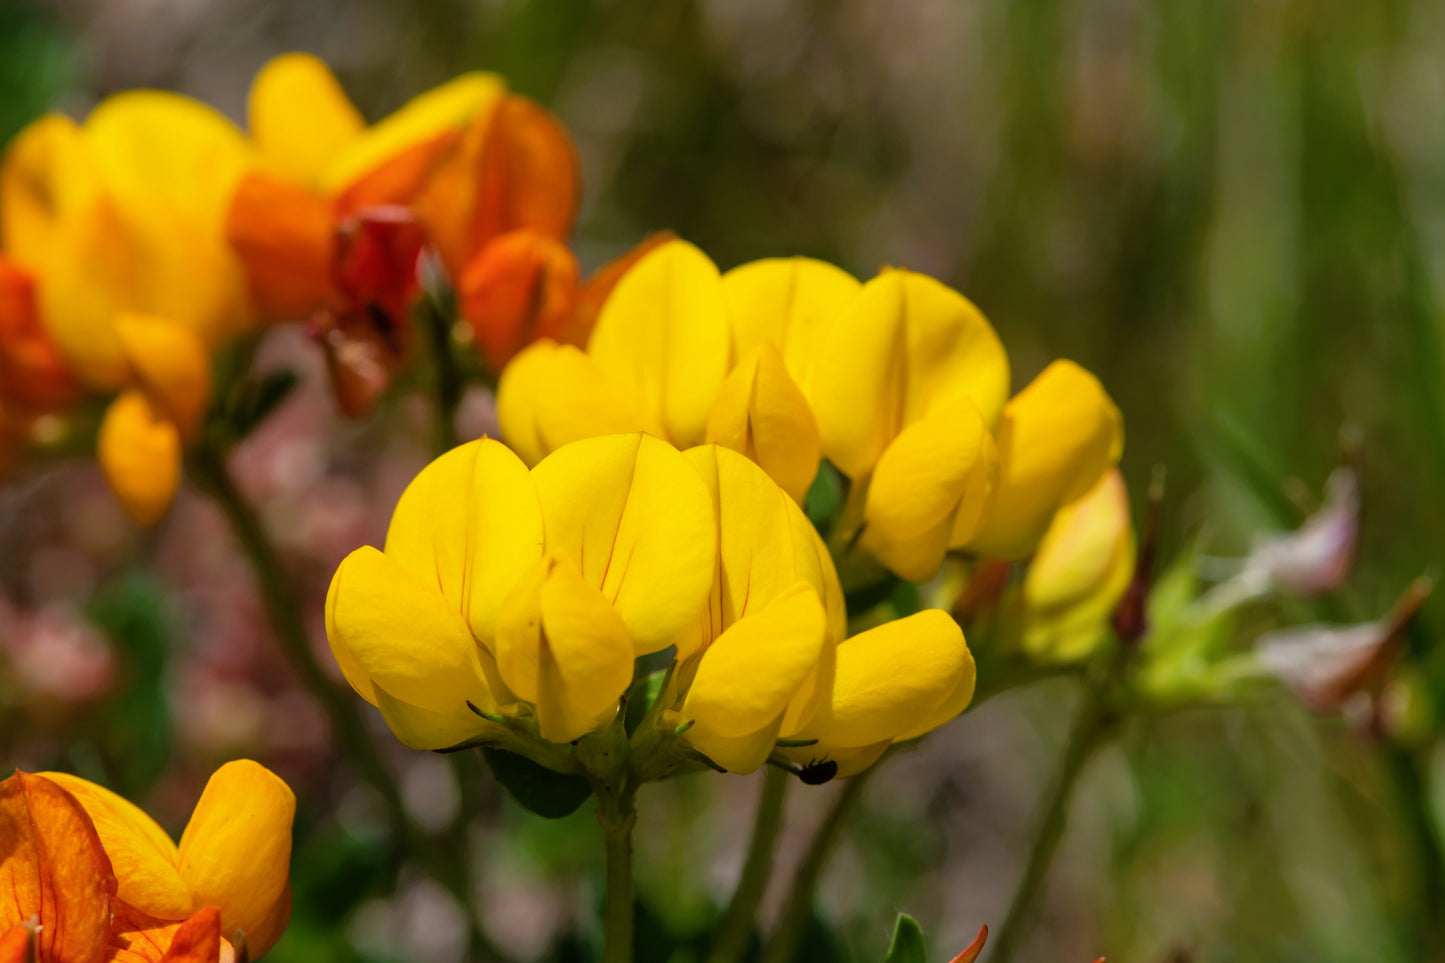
point(536, 788)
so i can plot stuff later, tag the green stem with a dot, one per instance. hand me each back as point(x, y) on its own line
point(1091, 728)
point(284, 612)
point(793, 924)
point(736, 927)
point(448, 376)
point(1428, 850)
point(618, 815)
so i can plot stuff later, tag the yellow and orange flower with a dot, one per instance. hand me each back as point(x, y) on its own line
point(87, 876)
point(332, 219)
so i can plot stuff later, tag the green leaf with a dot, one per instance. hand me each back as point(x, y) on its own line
point(536, 788)
point(825, 497)
point(907, 945)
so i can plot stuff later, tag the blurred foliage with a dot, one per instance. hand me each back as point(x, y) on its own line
point(1233, 211)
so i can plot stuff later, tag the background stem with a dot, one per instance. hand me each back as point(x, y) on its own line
point(1088, 732)
point(793, 923)
point(736, 927)
point(448, 381)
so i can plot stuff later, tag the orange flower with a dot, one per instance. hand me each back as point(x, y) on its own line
point(88, 877)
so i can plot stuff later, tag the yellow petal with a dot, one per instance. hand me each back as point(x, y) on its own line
point(300, 118)
point(850, 762)
point(391, 630)
point(664, 333)
point(441, 110)
point(139, 450)
point(1058, 436)
point(563, 648)
point(632, 513)
point(552, 394)
point(766, 545)
point(932, 481)
point(236, 850)
point(46, 175)
point(750, 673)
point(163, 146)
point(170, 362)
point(428, 730)
point(469, 525)
point(908, 346)
point(762, 414)
point(893, 679)
point(791, 302)
point(1081, 569)
point(143, 856)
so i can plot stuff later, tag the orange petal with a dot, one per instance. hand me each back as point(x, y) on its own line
point(54, 870)
point(397, 180)
point(138, 937)
point(284, 236)
point(515, 167)
point(519, 288)
point(972, 950)
point(15, 944)
point(594, 293)
point(32, 371)
point(376, 263)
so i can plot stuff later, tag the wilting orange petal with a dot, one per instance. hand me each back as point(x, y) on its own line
point(284, 236)
point(376, 262)
point(32, 371)
point(138, 937)
point(515, 167)
point(53, 870)
point(972, 950)
point(521, 287)
point(595, 291)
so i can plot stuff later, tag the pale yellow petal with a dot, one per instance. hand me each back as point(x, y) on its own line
point(908, 346)
point(139, 450)
point(759, 412)
point(664, 333)
point(143, 856)
point(636, 518)
point(552, 394)
point(440, 111)
point(236, 851)
point(791, 302)
point(300, 118)
point(1058, 436)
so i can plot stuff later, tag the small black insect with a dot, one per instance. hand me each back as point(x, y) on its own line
point(816, 772)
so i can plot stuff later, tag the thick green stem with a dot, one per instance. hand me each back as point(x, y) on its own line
point(1091, 727)
point(618, 815)
point(736, 927)
point(793, 924)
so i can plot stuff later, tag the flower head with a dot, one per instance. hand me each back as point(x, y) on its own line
point(119, 887)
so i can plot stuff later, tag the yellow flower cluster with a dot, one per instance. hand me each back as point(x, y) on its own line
point(900, 382)
point(511, 598)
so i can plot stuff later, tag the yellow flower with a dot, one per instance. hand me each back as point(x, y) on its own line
point(119, 223)
point(690, 355)
point(1057, 438)
point(524, 593)
point(1079, 572)
point(234, 855)
point(771, 661)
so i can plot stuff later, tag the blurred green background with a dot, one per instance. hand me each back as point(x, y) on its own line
point(1233, 212)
